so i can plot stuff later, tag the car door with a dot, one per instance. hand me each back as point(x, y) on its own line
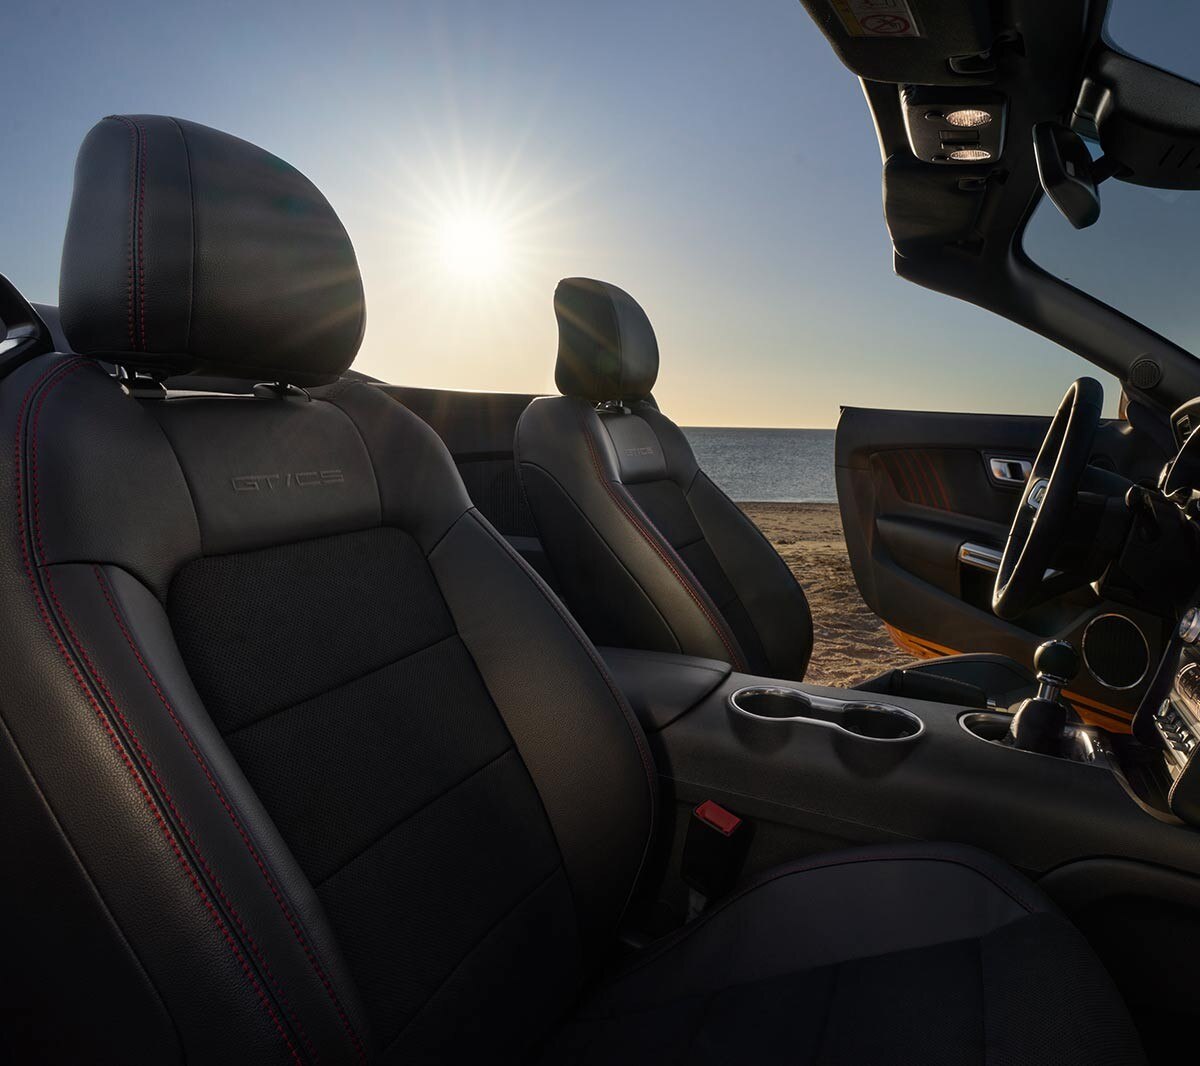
point(927, 499)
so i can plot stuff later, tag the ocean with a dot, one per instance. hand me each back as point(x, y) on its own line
point(767, 465)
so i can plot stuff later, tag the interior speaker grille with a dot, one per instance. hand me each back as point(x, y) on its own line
point(1115, 651)
point(1145, 373)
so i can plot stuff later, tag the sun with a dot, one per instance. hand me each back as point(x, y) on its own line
point(474, 244)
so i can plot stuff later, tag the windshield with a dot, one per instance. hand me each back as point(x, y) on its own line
point(1162, 32)
point(1142, 257)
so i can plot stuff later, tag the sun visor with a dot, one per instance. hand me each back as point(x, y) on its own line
point(927, 42)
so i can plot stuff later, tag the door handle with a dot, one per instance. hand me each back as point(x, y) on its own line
point(983, 557)
point(980, 556)
point(1010, 471)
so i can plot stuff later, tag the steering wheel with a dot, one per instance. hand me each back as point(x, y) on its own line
point(1046, 504)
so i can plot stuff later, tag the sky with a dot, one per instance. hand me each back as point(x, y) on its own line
point(712, 158)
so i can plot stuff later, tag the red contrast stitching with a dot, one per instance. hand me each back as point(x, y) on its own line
point(229, 810)
point(132, 213)
point(149, 765)
point(650, 539)
point(141, 233)
point(937, 477)
point(895, 470)
point(168, 835)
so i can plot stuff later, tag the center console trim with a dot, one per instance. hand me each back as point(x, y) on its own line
point(829, 703)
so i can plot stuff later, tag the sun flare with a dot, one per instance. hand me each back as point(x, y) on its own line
point(474, 244)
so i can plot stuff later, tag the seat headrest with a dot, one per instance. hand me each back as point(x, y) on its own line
point(189, 250)
point(606, 345)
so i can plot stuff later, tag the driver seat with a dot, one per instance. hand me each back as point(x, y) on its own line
point(648, 552)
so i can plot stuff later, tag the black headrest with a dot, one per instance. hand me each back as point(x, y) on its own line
point(606, 345)
point(191, 250)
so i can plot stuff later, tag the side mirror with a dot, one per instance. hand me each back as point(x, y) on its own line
point(1066, 172)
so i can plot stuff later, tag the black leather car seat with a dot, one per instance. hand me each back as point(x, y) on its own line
point(647, 551)
point(301, 764)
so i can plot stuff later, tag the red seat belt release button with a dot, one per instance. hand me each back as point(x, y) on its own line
point(714, 849)
point(714, 815)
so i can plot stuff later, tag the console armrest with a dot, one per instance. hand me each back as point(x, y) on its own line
point(660, 686)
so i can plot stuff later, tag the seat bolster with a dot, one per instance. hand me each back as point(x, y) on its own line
point(928, 953)
point(560, 443)
point(61, 935)
point(236, 920)
point(773, 598)
point(118, 492)
point(587, 754)
point(831, 909)
point(420, 489)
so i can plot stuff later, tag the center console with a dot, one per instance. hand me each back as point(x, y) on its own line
point(821, 768)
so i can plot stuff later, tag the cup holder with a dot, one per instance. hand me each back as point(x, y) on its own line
point(881, 722)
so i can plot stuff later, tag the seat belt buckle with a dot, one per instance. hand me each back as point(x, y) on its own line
point(714, 849)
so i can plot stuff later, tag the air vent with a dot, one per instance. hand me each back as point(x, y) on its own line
point(1145, 373)
point(1115, 651)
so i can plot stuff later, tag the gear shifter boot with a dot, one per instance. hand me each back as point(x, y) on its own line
point(1039, 722)
point(1038, 726)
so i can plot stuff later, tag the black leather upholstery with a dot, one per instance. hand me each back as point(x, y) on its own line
point(648, 552)
point(921, 954)
point(606, 346)
point(661, 687)
point(219, 663)
point(300, 763)
point(188, 249)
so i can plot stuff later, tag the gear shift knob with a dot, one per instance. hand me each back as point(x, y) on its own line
point(1039, 722)
point(1056, 661)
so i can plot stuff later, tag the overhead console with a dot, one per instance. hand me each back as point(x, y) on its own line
point(954, 126)
point(934, 42)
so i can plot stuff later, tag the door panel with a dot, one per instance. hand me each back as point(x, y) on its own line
point(926, 512)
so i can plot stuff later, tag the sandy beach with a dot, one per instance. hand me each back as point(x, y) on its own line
point(850, 642)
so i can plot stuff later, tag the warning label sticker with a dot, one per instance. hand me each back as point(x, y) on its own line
point(876, 18)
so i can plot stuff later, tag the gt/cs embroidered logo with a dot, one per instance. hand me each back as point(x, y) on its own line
point(633, 453)
point(302, 479)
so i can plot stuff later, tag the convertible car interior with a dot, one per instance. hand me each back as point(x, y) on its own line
point(347, 721)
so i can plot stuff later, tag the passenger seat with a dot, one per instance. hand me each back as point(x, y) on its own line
point(648, 551)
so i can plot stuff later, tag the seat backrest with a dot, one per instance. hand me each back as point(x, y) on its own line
point(299, 762)
point(647, 550)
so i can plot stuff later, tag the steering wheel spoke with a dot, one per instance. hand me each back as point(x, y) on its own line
point(1044, 514)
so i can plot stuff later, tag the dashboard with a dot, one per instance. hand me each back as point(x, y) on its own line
point(1169, 717)
point(1174, 718)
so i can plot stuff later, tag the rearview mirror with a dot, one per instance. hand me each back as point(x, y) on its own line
point(1065, 168)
